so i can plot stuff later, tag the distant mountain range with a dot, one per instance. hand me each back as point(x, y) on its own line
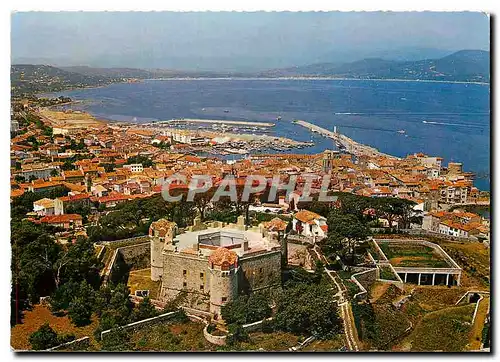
point(464, 65)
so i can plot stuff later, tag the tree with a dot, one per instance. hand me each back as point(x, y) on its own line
point(24, 203)
point(258, 307)
point(62, 297)
point(36, 266)
point(308, 310)
point(80, 311)
point(298, 276)
point(385, 208)
point(346, 231)
point(78, 262)
point(81, 306)
point(144, 160)
point(143, 311)
point(246, 309)
point(113, 306)
point(43, 338)
point(68, 165)
point(393, 209)
point(355, 205)
point(108, 167)
point(236, 334)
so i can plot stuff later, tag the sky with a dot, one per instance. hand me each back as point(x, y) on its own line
point(234, 41)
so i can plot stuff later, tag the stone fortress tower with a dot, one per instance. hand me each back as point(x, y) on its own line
point(161, 234)
point(212, 263)
point(223, 271)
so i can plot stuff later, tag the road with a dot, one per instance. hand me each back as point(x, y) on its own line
point(343, 303)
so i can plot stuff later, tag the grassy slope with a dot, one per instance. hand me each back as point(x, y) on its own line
point(443, 330)
point(477, 328)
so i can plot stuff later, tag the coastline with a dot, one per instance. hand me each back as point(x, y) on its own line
point(316, 78)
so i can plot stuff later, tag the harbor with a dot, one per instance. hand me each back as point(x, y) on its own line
point(343, 142)
point(219, 121)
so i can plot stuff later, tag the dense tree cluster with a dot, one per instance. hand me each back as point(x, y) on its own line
point(308, 309)
point(349, 220)
point(133, 218)
point(41, 266)
point(144, 160)
point(304, 307)
point(247, 309)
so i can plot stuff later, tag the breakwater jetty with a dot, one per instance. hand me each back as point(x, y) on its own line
point(343, 142)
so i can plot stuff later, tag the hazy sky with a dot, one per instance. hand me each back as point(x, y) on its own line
point(239, 41)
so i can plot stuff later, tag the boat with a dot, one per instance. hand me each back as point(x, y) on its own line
point(226, 111)
point(401, 131)
point(278, 118)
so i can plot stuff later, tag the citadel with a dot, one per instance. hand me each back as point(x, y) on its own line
point(214, 264)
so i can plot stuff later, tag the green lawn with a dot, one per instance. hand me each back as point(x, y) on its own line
point(411, 255)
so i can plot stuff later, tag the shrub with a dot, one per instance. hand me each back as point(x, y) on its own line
point(79, 312)
point(236, 334)
point(143, 311)
point(267, 326)
point(43, 338)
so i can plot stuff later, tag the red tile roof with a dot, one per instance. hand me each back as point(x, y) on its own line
point(56, 219)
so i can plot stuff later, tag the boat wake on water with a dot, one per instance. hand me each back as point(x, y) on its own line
point(453, 124)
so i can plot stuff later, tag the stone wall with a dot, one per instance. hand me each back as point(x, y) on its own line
point(75, 345)
point(128, 258)
point(137, 256)
point(191, 274)
point(129, 240)
point(223, 288)
point(365, 279)
point(180, 269)
point(217, 340)
point(221, 340)
point(102, 251)
point(439, 235)
point(255, 326)
point(259, 271)
point(141, 324)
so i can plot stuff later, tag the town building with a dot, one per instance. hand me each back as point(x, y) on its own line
point(308, 223)
point(47, 207)
point(67, 221)
point(135, 167)
point(14, 125)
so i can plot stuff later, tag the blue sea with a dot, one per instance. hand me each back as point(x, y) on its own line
point(456, 115)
